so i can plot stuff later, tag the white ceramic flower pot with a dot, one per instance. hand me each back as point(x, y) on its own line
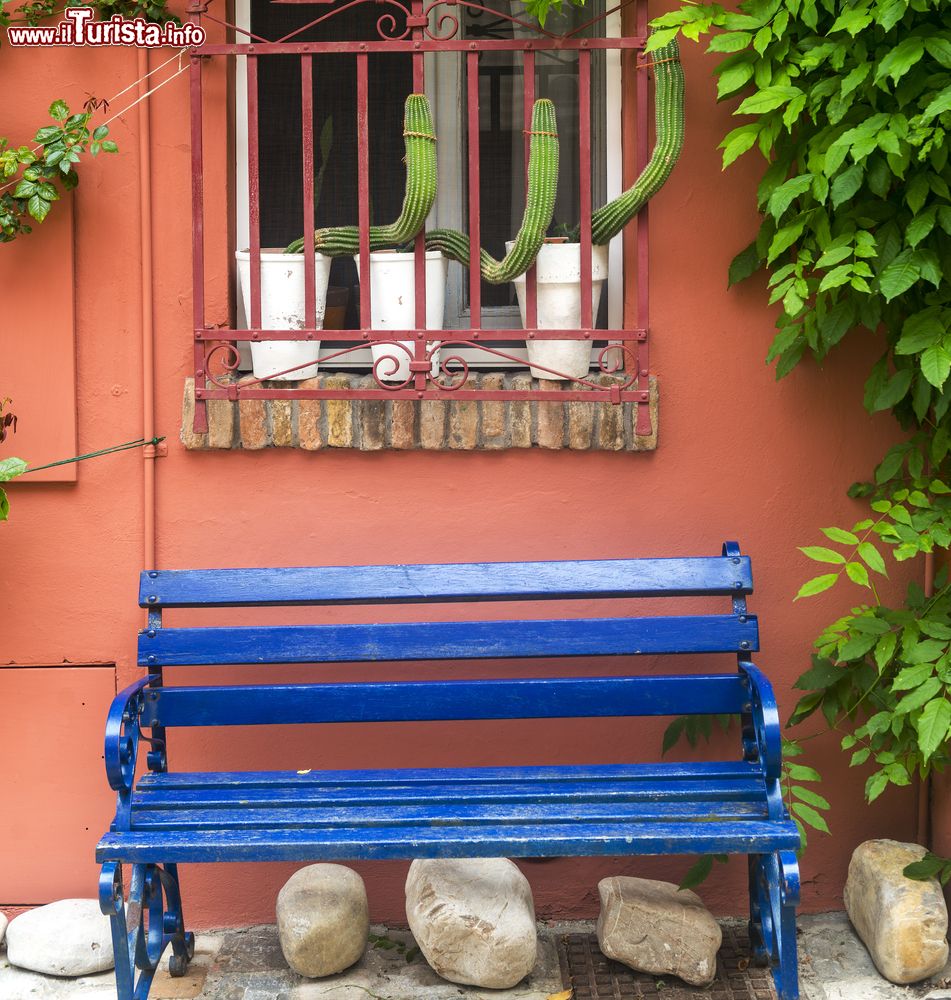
point(558, 270)
point(393, 306)
point(282, 308)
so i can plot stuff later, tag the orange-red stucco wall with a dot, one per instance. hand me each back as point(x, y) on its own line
point(739, 457)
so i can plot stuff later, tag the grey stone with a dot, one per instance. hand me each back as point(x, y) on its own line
point(3, 926)
point(657, 928)
point(70, 937)
point(323, 919)
point(473, 919)
point(903, 923)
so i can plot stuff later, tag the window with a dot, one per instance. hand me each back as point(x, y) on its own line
point(318, 138)
point(502, 174)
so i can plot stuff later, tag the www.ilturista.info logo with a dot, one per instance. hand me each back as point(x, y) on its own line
point(81, 28)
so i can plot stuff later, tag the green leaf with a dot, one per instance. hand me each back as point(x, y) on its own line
point(786, 193)
point(59, 110)
point(737, 142)
point(900, 59)
point(4, 505)
point(10, 468)
point(875, 785)
point(922, 694)
point(784, 239)
point(932, 726)
point(819, 553)
point(872, 557)
point(847, 184)
point(767, 99)
point(697, 872)
point(837, 277)
point(109, 146)
point(808, 795)
point(801, 772)
point(729, 41)
point(925, 869)
point(939, 105)
point(816, 585)
point(47, 134)
point(857, 573)
point(885, 649)
point(103, 130)
point(822, 675)
point(939, 48)
point(899, 276)
point(672, 734)
point(38, 207)
point(920, 331)
point(925, 652)
point(894, 391)
point(744, 264)
point(908, 678)
point(857, 647)
point(936, 365)
point(840, 535)
point(733, 78)
point(809, 816)
point(920, 226)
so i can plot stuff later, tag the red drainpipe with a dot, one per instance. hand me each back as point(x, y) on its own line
point(148, 328)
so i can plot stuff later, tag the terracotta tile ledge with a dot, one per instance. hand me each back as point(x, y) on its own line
point(408, 424)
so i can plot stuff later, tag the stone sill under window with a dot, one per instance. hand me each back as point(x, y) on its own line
point(431, 425)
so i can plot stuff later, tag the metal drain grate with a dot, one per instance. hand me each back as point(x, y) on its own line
point(592, 976)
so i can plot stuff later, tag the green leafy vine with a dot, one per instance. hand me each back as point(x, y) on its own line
point(849, 104)
point(32, 179)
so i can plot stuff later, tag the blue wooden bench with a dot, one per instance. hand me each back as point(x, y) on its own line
point(165, 818)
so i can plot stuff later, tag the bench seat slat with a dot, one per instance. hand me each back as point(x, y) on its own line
point(313, 816)
point(524, 698)
point(448, 582)
point(670, 771)
point(445, 795)
point(480, 640)
point(746, 836)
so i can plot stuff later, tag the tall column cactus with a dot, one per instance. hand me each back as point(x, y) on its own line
point(419, 140)
point(539, 207)
point(609, 220)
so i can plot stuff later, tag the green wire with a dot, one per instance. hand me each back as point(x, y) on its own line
point(138, 443)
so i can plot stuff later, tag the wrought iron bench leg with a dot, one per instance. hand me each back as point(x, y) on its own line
point(144, 926)
point(774, 896)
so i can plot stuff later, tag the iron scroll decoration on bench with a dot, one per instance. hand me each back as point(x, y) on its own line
point(164, 819)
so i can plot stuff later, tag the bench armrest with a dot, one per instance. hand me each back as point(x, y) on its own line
point(122, 736)
point(765, 717)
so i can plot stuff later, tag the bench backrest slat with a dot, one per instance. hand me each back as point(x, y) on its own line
point(448, 640)
point(532, 698)
point(714, 576)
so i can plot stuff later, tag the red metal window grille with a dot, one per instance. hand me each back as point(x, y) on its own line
point(416, 29)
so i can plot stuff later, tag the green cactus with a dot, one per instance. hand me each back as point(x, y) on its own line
point(539, 206)
point(609, 220)
point(419, 140)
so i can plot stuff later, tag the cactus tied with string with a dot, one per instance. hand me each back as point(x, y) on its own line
point(539, 207)
point(610, 219)
point(419, 140)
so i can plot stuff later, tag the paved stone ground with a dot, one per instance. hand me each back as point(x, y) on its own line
point(247, 964)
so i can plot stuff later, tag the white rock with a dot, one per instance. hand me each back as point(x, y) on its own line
point(70, 937)
point(323, 919)
point(3, 926)
point(473, 919)
point(657, 928)
point(903, 923)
